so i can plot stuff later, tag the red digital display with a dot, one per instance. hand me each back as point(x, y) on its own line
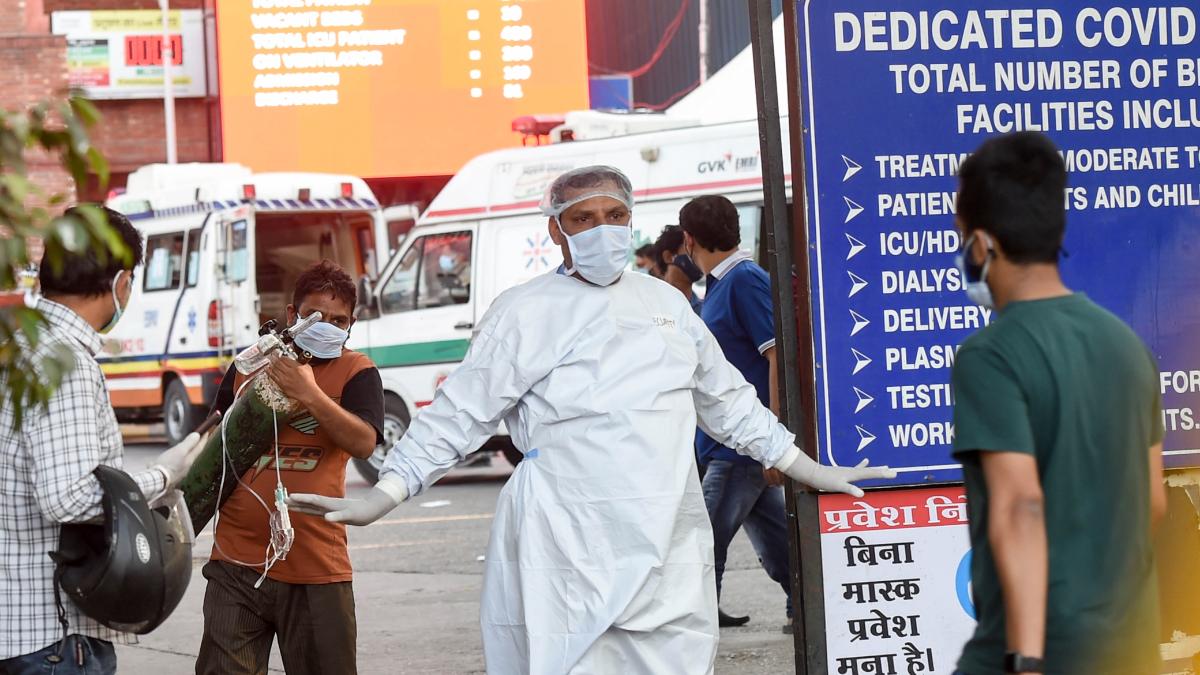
point(146, 50)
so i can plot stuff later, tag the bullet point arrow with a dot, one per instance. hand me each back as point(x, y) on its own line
point(855, 209)
point(857, 283)
point(860, 322)
point(852, 167)
point(864, 400)
point(856, 247)
point(865, 438)
point(860, 361)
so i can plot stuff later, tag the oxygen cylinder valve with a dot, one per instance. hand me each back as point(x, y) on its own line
point(258, 355)
point(272, 345)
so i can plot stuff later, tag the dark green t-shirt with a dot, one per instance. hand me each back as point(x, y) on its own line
point(1067, 382)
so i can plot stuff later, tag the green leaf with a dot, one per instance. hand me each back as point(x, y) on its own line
point(99, 165)
point(54, 258)
point(58, 129)
point(103, 232)
point(86, 110)
point(54, 371)
point(31, 324)
point(16, 185)
point(71, 232)
point(77, 166)
point(80, 144)
point(20, 125)
point(14, 250)
point(38, 219)
point(17, 388)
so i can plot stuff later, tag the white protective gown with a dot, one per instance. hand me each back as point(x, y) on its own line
point(601, 554)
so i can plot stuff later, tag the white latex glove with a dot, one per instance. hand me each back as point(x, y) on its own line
point(176, 460)
point(801, 467)
point(385, 496)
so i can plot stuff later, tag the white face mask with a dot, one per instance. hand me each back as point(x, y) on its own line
point(323, 340)
point(975, 276)
point(118, 310)
point(601, 253)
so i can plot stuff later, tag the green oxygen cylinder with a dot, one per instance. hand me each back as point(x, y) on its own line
point(249, 433)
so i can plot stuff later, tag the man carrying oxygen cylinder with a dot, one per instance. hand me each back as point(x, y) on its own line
point(47, 467)
point(305, 599)
point(601, 554)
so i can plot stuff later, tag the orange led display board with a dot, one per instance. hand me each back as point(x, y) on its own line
point(382, 88)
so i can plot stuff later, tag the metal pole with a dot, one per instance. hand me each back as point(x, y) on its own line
point(703, 41)
point(807, 506)
point(168, 55)
point(793, 337)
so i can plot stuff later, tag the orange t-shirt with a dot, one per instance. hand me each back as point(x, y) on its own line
point(310, 462)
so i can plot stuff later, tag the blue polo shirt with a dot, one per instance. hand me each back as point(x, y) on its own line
point(740, 314)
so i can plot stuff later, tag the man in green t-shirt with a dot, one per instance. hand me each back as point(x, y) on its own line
point(1058, 425)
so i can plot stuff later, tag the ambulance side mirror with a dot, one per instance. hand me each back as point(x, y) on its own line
point(368, 304)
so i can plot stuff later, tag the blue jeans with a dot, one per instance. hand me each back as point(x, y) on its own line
point(79, 656)
point(737, 495)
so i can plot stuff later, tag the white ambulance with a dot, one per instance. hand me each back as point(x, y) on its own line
point(483, 234)
point(223, 248)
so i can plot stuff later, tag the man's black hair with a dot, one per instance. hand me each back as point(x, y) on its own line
point(325, 277)
point(645, 251)
point(89, 272)
point(1013, 188)
point(670, 242)
point(713, 221)
point(670, 239)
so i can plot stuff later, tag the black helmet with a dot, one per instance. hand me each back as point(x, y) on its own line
point(131, 572)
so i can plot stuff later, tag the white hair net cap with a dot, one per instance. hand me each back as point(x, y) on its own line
point(584, 183)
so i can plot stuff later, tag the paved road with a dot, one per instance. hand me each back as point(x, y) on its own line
point(417, 581)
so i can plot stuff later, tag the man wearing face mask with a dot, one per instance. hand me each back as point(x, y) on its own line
point(454, 272)
point(47, 463)
point(643, 258)
point(677, 266)
point(306, 599)
point(739, 310)
point(1058, 425)
point(600, 559)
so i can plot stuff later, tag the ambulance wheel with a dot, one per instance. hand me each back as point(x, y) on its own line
point(395, 423)
point(179, 415)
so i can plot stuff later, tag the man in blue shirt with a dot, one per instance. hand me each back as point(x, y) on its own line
point(739, 312)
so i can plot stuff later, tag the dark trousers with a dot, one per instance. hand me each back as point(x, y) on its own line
point(79, 656)
point(314, 622)
point(737, 496)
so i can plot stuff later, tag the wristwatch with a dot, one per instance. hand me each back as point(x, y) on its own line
point(1015, 663)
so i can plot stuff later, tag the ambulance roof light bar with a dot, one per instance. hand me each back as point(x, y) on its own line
point(536, 127)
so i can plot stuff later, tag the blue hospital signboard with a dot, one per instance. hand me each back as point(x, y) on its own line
point(895, 94)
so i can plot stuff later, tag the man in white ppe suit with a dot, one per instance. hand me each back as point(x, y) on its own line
point(601, 555)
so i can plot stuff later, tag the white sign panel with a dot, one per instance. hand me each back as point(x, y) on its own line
point(896, 578)
point(118, 54)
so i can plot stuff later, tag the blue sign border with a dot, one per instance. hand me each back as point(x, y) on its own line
point(1147, 254)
